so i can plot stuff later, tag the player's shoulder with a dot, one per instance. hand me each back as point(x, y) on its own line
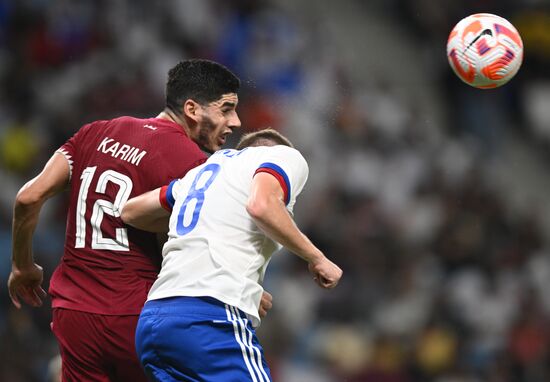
point(283, 149)
point(266, 150)
point(279, 156)
point(124, 119)
point(129, 121)
point(115, 123)
point(148, 124)
point(165, 129)
point(249, 154)
point(284, 153)
point(155, 130)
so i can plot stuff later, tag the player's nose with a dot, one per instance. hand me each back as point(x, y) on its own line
point(234, 122)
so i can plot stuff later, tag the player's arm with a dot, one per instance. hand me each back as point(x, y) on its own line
point(25, 280)
point(267, 207)
point(146, 212)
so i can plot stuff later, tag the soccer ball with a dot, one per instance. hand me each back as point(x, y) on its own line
point(485, 50)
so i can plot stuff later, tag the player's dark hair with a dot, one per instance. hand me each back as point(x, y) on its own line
point(265, 137)
point(203, 81)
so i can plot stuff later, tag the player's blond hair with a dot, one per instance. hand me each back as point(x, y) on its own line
point(265, 137)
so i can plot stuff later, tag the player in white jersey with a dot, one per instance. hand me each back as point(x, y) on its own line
point(228, 216)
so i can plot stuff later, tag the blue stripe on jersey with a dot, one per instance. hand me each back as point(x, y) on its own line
point(281, 172)
point(169, 196)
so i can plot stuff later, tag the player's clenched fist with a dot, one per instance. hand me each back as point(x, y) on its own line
point(266, 303)
point(325, 273)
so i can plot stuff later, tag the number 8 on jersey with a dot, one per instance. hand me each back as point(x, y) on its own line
point(198, 195)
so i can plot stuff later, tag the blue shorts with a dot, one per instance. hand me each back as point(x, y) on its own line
point(198, 339)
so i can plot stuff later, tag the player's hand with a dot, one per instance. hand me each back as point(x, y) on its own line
point(26, 283)
point(325, 273)
point(266, 303)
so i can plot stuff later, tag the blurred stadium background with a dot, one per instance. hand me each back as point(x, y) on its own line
point(433, 196)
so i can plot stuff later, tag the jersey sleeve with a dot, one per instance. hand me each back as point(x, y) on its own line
point(70, 148)
point(289, 167)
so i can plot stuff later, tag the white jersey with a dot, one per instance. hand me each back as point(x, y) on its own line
point(214, 247)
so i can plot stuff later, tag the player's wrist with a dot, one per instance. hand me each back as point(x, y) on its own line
point(316, 257)
point(21, 266)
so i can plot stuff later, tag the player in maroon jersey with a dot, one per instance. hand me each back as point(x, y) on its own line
point(107, 268)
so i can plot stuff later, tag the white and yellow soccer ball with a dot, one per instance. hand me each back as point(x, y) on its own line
point(485, 50)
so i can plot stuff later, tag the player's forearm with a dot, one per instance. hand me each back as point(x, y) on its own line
point(146, 213)
point(156, 225)
point(25, 218)
point(272, 217)
point(143, 222)
point(28, 203)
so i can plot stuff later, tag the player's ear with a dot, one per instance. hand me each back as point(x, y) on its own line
point(191, 109)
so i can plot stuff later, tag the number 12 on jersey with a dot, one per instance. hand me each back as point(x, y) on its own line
point(101, 207)
point(198, 195)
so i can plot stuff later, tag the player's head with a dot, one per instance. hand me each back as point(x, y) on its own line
point(204, 93)
point(265, 137)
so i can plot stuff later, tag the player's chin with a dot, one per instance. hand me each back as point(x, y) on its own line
point(210, 147)
point(214, 144)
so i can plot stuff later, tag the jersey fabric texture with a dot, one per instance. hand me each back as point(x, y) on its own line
point(214, 248)
point(198, 339)
point(107, 267)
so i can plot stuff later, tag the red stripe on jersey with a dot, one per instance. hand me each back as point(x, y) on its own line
point(277, 176)
point(162, 198)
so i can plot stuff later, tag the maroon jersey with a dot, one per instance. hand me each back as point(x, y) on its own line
point(108, 267)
